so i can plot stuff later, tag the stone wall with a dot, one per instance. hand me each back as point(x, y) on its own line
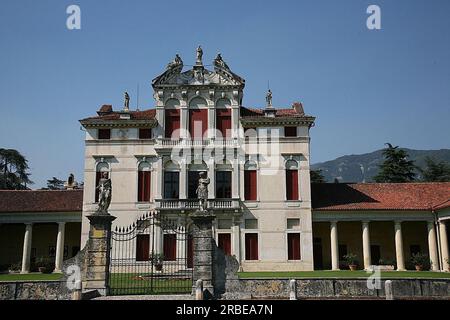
point(335, 288)
point(34, 290)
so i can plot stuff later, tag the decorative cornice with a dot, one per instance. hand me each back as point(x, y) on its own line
point(98, 123)
point(259, 121)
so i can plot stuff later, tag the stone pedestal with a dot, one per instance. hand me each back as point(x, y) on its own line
point(203, 250)
point(98, 253)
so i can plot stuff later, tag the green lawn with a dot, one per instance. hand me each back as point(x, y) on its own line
point(30, 276)
point(130, 283)
point(343, 274)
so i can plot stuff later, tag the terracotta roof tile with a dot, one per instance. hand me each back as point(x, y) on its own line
point(380, 196)
point(41, 200)
point(134, 115)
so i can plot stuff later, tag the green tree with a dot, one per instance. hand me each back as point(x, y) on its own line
point(13, 170)
point(316, 176)
point(396, 166)
point(435, 171)
point(55, 184)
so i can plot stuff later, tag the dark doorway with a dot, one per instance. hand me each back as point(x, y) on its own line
point(317, 254)
point(170, 247)
point(225, 243)
point(375, 253)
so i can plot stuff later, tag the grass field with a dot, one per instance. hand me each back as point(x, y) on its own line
point(131, 283)
point(344, 274)
point(30, 276)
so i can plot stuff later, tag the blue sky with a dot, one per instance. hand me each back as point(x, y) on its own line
point(365, 87)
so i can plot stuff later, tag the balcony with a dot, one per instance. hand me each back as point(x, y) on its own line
point(189, 143)
point(192, 204)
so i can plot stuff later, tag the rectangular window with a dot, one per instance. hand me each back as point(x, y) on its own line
point(170, 247)
point(144, 185)
point(198, 123)
point(171, 185)
point(225, 243)
point(223, 122)
point(104, 134)
point(98, 176)
point(145, 133)
point(293, 246)
point(223, 184)
point(250, 185)
point(142, 247)
point(292, 184)
point(172, 123)
point(192, 184)
point(251, 246)
point(290, 131)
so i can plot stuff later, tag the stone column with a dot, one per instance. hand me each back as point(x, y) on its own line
point(26, 254)
point(212, 178)
point(183, 179)
point(399, 246)
point(236, 240)
point(432, 248)
point(203, 250)
point(98, 253)
point(159, 178)
point(366, 245)
point(184, 123)
point(334, 246)
point(60, 247)
point(235, 179)
point(444, 245)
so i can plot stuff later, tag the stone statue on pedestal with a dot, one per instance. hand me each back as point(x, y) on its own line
point(126, 104)
point(175, 63)
point(105, 191)
point(269, 98)
point(199, 55)
point(202, 191)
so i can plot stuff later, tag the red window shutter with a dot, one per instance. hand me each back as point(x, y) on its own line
point(198, 122)
point(142, 247)
point(251, 246)
point(250, 185)
point(292, 184)
point(172, 123)
point(225, 243)
point(170, 247)
point(144, 185)
point(293, 246)
point(223, 121)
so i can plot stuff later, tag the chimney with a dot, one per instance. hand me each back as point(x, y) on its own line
point(104, 109)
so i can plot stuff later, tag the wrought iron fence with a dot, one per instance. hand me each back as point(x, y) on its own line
point(151, 256)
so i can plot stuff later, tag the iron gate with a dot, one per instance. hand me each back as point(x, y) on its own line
point(151, 256)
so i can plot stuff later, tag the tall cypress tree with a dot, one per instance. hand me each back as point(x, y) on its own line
point(396, 166)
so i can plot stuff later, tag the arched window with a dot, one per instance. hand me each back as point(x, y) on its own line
point(291, 180)
point(193, 176)
point(223, 181)
point(198, 117)
point(223, 117)
point(101, 168)
point(172, 118)
point(144, 181)
point(171, 180)
point(250, 181)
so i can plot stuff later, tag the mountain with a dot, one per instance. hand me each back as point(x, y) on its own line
point(362, 167)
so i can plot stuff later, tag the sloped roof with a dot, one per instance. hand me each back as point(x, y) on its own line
point(380, 196)
point(41, 200)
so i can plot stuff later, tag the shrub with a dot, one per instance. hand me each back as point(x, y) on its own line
point(421, 259)
point(351, 259)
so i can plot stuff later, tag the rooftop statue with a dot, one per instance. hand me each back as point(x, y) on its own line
point(126, 104)
point(175, 62)
point(105, 191)
point(269, 98)
point(218, 62)
point(202, 191)
point(199, 55)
